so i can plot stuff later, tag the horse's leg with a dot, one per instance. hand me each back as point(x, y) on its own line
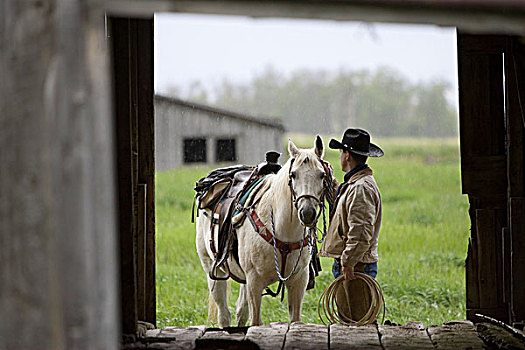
point(218, 289)
point(219, 293)
point(241, 310)
point(296, 288)
point(254, 291)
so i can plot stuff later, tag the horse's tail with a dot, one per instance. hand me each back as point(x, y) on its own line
point(213, 311)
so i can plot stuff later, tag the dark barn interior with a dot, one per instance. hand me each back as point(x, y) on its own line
point(78, 168)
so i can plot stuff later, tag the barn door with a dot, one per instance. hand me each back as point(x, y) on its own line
point(132, 44)
point(491, 139)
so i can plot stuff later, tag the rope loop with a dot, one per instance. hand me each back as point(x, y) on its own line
point(329, 313)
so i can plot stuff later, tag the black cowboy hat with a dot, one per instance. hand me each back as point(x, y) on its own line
point(357, 141)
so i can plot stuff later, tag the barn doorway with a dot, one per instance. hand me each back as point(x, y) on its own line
point(412, 213)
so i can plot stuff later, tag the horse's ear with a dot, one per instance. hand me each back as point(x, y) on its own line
point(292, 149)
point(319, 147)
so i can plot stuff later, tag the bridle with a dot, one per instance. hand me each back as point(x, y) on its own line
point(319, 200)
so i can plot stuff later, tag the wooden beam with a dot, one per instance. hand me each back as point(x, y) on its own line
point(146, 139)
point(57, 214)
point(472, 16)
point(484, 169)
point(120, 34)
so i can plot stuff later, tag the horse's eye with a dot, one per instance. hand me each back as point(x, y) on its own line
point(322, 175)
point(292, 174)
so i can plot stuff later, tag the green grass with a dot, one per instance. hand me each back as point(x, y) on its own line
point(422, 245)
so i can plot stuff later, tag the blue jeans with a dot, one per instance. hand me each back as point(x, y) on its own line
point(370, 269)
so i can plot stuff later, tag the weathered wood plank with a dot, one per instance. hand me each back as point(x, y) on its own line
point(225, 338)
point(270, 336)
point(481, 108)
point(498, 338)
point(146, 139)
point(519, 70)
point(141, 252)
point(346, 337)
point(133, 69)
point(471, 264)
point(515, 125)
point(501, 16)
point(57, 213)
point(456, 335)
point(517, 227)
point(134, 147)
point(120, 34)
point(481, 44)
point(232, 333)
point(27, 216)
point(515, 69)
point(506, 259)
point(409, 336)
point(487, 230)
point(484, 176)
point(180, 338)
point(306, 336)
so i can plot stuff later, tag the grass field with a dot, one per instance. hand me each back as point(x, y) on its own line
point(422, 245)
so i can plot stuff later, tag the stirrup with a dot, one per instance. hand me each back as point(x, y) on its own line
point(212, 274)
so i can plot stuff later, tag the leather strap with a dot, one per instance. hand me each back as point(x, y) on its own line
point(268, 237)
point(284, 247)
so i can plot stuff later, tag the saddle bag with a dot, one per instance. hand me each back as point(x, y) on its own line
point(214, 193)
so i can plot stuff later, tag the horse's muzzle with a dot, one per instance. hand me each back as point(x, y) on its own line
point(308, 215)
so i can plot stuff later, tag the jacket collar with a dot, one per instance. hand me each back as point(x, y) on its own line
point(361, 173)
point(353, 176)
point(354, 170)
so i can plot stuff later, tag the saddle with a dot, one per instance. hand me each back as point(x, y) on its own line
point(225, 192)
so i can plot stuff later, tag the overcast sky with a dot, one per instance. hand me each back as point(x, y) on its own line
point(211, 48)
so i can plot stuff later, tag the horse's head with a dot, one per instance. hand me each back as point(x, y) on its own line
point(306, 180)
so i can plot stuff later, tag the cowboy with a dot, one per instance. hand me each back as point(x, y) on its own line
point(355, 218)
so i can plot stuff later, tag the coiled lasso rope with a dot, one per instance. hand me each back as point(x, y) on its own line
point(328, 307)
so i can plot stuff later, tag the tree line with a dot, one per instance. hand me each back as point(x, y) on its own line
point(382, 101)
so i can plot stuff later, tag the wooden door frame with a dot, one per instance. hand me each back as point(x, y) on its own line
point(133, 72)
point(490, 213)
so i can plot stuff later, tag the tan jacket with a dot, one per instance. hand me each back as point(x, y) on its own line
point(355, 221)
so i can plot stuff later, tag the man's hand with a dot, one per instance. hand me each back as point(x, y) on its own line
point(348, 272)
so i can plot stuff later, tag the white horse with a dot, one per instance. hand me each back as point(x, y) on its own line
point(303, 174)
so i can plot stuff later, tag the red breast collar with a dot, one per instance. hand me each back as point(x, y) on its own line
point(268, 237)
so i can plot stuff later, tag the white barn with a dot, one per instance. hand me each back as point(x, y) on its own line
point(187, 132)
